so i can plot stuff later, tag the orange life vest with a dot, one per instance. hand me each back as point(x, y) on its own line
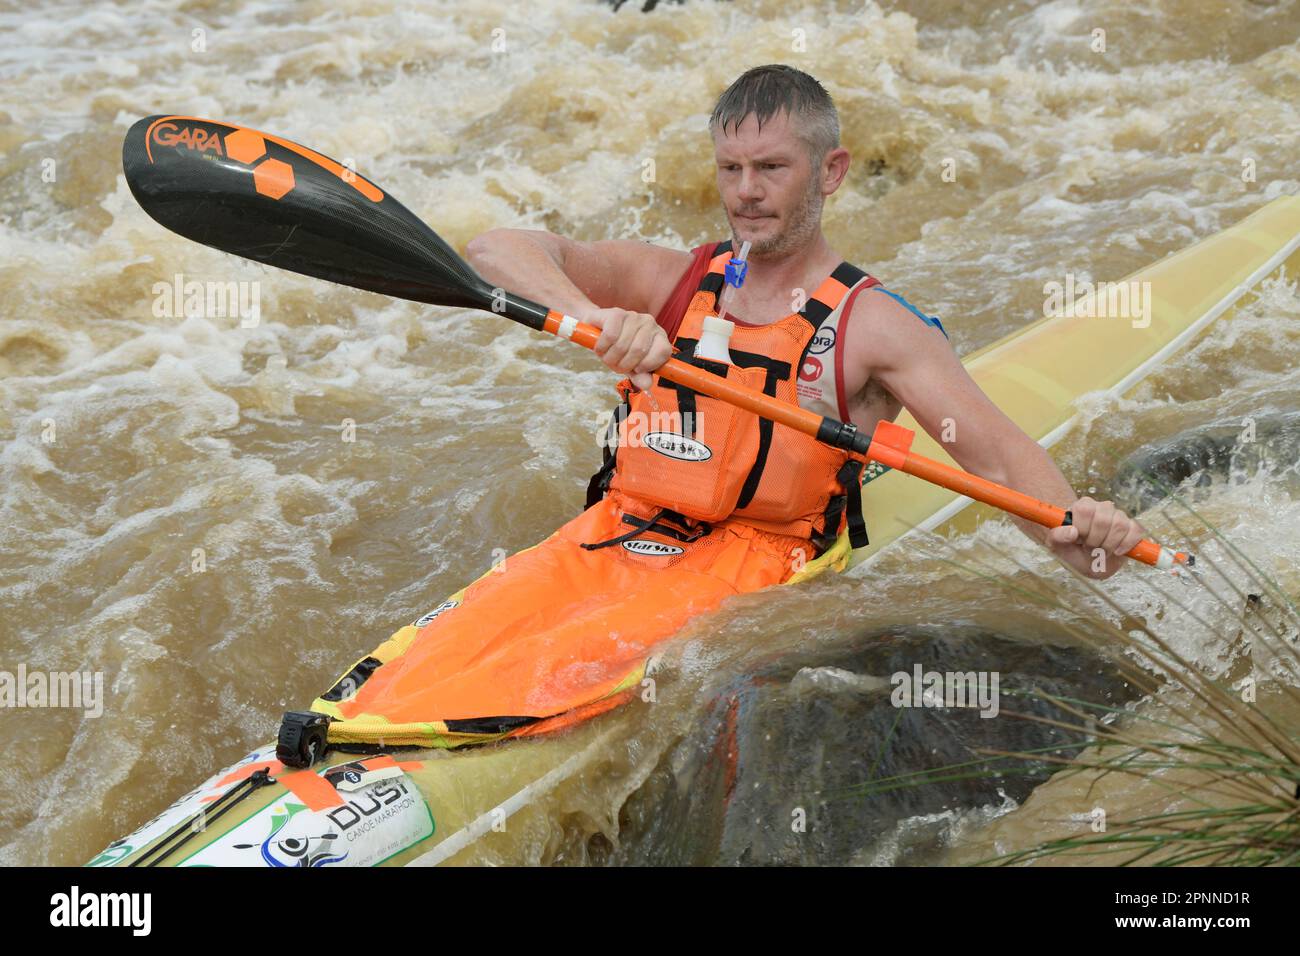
point(700, 460)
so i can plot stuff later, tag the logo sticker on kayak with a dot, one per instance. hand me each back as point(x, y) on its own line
point(873, 471)
point(185, 807)
point(672, 445)
point(655, 549)
point(381, 818)
point(444, 606)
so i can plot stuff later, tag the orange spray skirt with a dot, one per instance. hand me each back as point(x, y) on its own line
point(555, 634)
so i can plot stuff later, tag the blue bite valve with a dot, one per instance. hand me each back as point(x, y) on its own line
point(735, 272)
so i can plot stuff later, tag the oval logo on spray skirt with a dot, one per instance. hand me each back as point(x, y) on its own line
point(655, 549)
point(672, 445)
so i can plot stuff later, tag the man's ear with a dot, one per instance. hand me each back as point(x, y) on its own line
point(835, 167)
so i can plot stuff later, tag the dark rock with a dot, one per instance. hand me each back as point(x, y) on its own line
point(1198, 457)
point(819, 735)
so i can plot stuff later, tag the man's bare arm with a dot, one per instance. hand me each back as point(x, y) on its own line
point(918, 366)
point(616, 285)
point(574, 276)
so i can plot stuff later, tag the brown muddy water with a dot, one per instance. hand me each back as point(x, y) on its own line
point(181, 511)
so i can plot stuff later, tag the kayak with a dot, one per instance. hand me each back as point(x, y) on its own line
point(399, 805)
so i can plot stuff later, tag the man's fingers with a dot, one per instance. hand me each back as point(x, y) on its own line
point(624, 354)
point(1081, 514)
point(1120, 529)
point(1136, 534)
point(632, 342)
point(1132, 535)
point(621, 330)
point(1102, 520)
point(653, 352)
point(661, 350)
point(1062, 536)
point(642, 344)
point(610, 323)
point(1096, 525)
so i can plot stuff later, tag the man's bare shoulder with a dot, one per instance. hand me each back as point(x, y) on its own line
point(887, 329)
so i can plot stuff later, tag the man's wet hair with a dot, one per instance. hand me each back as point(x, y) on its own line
point(767, 90)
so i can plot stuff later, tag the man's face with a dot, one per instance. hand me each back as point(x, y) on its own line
point(769, 188)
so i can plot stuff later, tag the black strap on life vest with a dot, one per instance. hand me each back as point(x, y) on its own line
point(850, 479)
point(715, 282)
point(687, 532)
point(686, 406)
point(599, 483)
point(815, 311)
point(776, 372)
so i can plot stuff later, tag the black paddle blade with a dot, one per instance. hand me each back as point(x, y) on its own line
point(265, 198)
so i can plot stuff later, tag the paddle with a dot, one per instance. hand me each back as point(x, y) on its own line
point(265, 198)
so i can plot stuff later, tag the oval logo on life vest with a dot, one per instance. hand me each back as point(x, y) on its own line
point(677, 446)
point(811, 370)
point(656, 549)
point(823, 340)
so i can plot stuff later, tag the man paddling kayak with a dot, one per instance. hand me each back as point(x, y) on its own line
point(345, 229)
point(718, 502)
point(776, 142)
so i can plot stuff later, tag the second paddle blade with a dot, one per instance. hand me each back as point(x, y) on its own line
point(262, 197)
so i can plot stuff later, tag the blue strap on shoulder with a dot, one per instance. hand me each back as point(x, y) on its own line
point(927, 319)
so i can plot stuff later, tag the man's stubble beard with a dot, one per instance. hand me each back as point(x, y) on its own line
point(804, 220)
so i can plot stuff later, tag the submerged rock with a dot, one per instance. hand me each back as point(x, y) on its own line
point(1224, 451)
point(796, 764)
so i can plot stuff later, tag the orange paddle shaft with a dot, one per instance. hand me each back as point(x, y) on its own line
point(835, 433)
point(891, 445)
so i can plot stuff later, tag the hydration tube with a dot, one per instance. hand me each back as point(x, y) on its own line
point(716, 333)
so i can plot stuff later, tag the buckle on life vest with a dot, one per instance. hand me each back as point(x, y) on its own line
point(689, 532)
point(848, 504)
point(303, 739)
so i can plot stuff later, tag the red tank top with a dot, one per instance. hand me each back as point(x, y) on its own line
point(674, 310)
